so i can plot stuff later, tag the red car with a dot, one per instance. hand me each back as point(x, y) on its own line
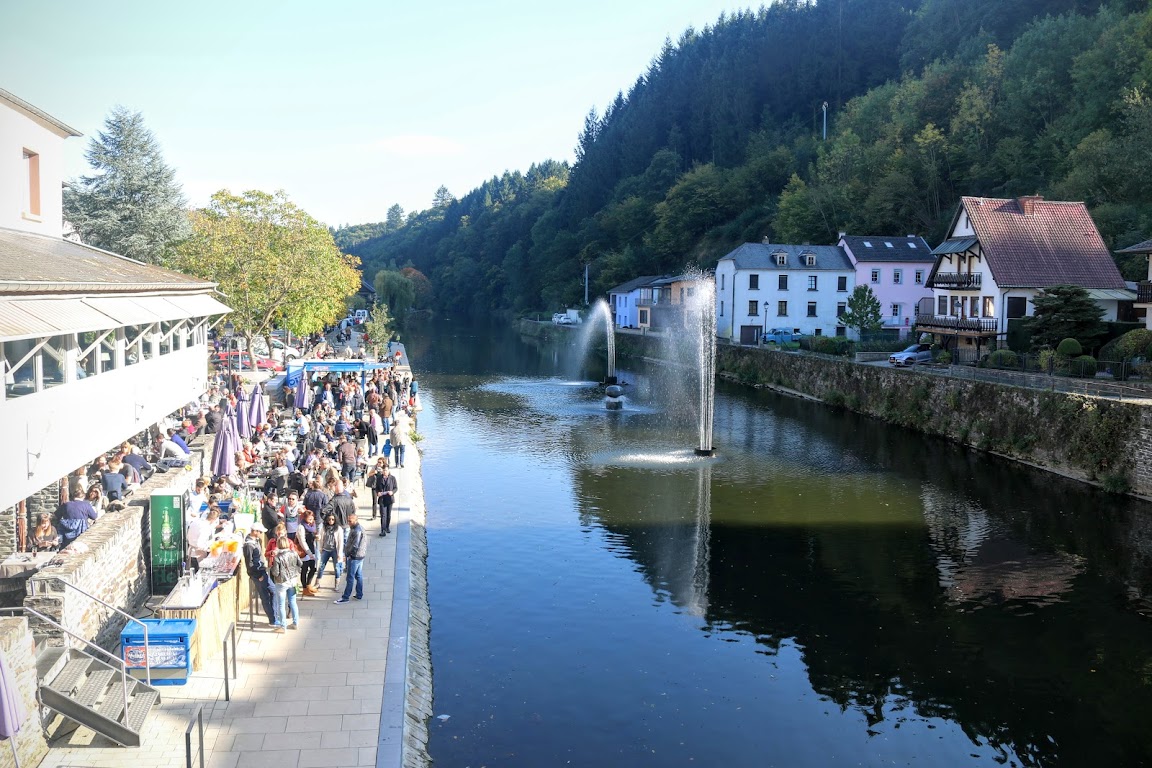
point(243, 361)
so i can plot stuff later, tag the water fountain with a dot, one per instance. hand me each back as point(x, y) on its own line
point(701, 311)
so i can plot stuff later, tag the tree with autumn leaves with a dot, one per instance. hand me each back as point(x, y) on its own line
point(277, 266)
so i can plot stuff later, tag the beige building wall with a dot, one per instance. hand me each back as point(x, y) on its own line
point(31, 170)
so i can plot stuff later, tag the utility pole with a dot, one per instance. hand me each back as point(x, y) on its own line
point(824, 108)
point(585, 284)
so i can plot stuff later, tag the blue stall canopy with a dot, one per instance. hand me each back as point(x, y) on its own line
point(299, 370)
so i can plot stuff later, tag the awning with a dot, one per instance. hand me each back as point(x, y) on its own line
point(1110, 294)
point(32, 318)
point(49, 317)
point(954, 245)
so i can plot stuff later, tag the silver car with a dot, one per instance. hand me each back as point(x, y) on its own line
point(917, 353)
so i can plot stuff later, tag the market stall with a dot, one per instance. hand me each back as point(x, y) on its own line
point(212, 596)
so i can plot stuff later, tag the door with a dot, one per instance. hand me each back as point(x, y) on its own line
point(749, 334)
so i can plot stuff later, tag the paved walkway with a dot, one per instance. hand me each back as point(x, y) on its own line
point(319, 696)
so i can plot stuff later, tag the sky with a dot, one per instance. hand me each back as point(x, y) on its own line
point(349, 106)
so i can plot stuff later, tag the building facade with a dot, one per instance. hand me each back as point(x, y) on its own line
point(896, 269)
point(762, 286)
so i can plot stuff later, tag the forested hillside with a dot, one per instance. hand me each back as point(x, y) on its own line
point(720, 142)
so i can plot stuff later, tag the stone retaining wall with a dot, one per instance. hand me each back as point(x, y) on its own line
point(19, 649)
point(418, 698)
point(108, 561)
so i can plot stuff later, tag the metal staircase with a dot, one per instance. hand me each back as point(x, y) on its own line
point(99, 696)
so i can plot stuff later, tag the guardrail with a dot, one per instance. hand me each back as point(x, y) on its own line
point(969, 325)
point(955, 280)
point(109, 606)
point(231, 631)
point(198, 720)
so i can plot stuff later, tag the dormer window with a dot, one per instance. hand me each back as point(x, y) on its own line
point(809, 260)
point(781, 259)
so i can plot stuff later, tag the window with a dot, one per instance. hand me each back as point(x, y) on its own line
point(875, 275)
point(722, 276)
point(753, 282)
point(812, 282)
point(783, 282)
point(1017, 307)
point(887, 244)
point(811, 309)
point(782, 309)
point(842, 283)
point(721, 308)
point(919, 276)
point(896, 310)
point(974, 307)
point(897, 276)
point(810, 260)
point(753, 308)
point(867, 244)
point(818, 332)
point(31, 193)
point(841, 331)
point(781, 259)
point(841, 308)
point(912, 245)
point(989, 307)
point(957, 305)
point(643, 317)
point(942, 305)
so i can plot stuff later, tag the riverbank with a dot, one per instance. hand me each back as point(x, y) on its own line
point(1094, 440)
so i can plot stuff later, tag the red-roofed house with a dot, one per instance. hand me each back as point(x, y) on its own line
point(999, 254)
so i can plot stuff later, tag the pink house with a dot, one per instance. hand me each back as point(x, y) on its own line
point(896, 269)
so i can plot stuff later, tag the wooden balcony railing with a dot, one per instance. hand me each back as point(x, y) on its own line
point(981, 326)
point(955, 280)
point(1144, 293)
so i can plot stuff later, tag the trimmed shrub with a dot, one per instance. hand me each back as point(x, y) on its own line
point(1003, 358)
point(1083, 367)
point(1127, 346)
point(1069, 348)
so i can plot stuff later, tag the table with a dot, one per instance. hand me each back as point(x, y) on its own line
point(23, 564)
point(220, 608)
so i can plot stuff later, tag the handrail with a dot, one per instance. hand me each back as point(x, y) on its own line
point(198, 718)
point(147, 660)
point(90, 644)
point(230, 631)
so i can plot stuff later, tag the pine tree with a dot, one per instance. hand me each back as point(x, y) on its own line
point(132, 205)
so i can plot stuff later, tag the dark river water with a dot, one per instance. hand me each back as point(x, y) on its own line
point(827, 591)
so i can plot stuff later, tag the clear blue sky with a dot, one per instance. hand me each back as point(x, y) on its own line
point(349, 105)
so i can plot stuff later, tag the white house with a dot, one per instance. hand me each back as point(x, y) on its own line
point(94, 347)
point(896, 269)
point(761, 286)
point(1144, 288)
point(999, 254)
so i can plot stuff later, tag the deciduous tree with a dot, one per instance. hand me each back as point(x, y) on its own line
point(276, 265)
point(863, 311)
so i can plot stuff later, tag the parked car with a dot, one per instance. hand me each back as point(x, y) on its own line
point(917, 353)
point(244, 360)
point(280, 350)
point(780, 336)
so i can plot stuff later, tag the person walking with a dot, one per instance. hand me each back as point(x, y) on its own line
point(285, 572)
point(400, 439)
point(355, 549)
point(306, 540)
point(385, 494)
point(340, 505)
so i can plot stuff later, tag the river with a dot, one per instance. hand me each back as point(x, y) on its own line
point(827, 591)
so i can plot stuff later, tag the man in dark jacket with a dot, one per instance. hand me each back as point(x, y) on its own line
point(341, 505)
point(213, 419)
point(257, 569)
point(355, 550)
point(73, 518)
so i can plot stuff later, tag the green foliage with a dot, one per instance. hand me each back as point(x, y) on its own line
point(944, 358)
point(1065, 311)
point(1132, 344)
point(863, 311)
point(1069, 348)
point(132, 204)
point(1003, 358)
point(395, 291)
point(1083, 367)
point(379, 326)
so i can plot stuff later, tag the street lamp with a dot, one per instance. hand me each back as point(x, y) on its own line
point(766, 304)
point(229, 330)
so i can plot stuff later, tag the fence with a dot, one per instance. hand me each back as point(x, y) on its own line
point(1051, 382)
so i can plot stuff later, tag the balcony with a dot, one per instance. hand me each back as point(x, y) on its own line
point(1144, 293)
point(957, 325)
point(955, 281)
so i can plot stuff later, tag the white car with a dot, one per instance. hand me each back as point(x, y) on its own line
point(917, 353)
point(280, 351)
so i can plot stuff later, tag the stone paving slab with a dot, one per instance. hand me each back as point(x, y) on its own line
point(307, 698)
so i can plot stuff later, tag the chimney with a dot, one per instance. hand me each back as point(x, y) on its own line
point(843, 235)
point(1027, 204)
point(766, 241)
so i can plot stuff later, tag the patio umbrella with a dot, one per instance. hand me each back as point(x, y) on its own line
point(243, 428)
point(257, 413)
point(225, 446)
point(12, 711)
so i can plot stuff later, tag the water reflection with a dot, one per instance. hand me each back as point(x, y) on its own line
point(841, 592)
